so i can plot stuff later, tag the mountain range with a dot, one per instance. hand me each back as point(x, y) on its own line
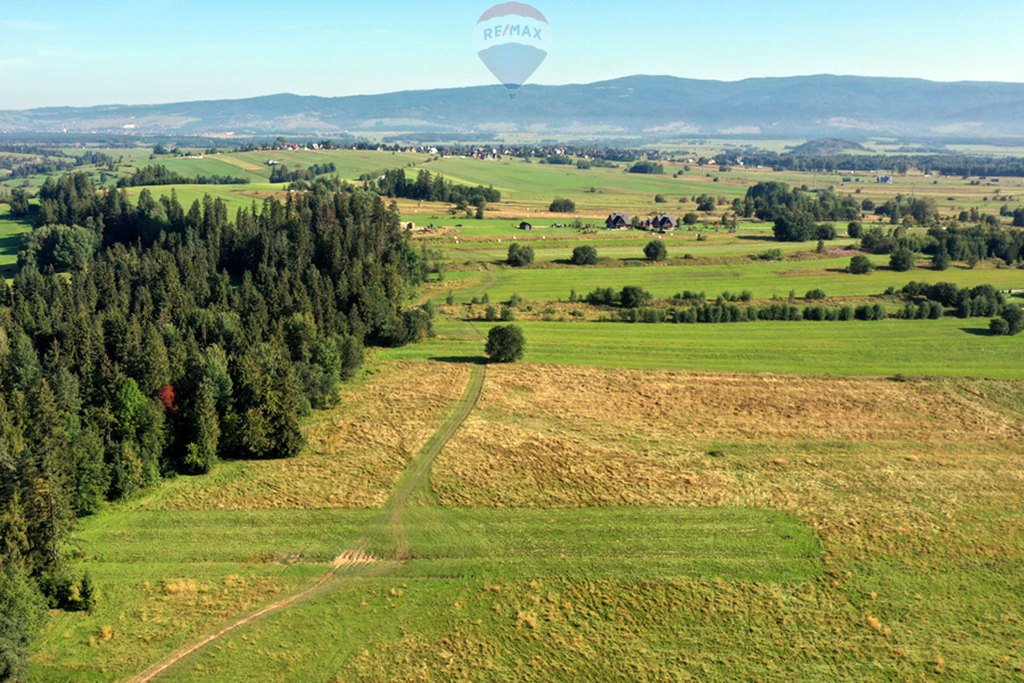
point(644, 107)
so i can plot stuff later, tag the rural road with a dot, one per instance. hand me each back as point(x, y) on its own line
point(416, 478)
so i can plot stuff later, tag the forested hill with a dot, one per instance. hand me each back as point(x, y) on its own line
point(145, 339)
point(654, 107)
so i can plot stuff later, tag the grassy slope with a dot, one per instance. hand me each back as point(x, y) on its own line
point(950, 347)
point(11, 230)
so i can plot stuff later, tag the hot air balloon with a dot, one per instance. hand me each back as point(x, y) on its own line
point(513, 39)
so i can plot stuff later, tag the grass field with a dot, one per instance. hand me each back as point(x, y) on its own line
point(169, 575)
point(552, 556)
point(11, 230)
point(764, 279)
point(943, 348)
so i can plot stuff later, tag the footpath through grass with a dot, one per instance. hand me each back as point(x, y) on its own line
point(169, 577)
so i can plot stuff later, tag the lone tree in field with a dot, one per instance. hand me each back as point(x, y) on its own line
point(562, 206)
point(584, 256)
point(505, 344)
point(519, 255)
point(902, 260)
point(656, 251)
point(861, 265)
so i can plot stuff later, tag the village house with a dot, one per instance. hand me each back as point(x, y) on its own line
point(618, 221)
point(662, 223)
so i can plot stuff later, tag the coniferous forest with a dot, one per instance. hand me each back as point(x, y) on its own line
point(145, 339)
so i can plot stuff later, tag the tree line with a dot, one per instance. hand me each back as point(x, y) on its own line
point(945, 164)
point(428, 187)
point(159, 174)
point(176, 338)
point(281, 174)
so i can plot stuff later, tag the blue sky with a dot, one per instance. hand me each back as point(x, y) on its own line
point(57, 52)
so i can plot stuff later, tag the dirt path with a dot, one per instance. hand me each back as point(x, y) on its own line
point(415, 479)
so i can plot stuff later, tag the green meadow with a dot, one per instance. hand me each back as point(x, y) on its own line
point(11, 230)
point(764, 279)
point(940, 348)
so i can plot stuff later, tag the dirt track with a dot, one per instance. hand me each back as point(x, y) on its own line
point(416, 478)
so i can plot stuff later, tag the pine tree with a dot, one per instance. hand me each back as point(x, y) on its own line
point(202, 453)
point(45, 481)
point(87, 594)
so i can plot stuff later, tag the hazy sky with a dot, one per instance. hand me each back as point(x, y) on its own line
point(59, 52)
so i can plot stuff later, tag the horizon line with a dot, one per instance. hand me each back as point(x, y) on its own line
point(498, 86)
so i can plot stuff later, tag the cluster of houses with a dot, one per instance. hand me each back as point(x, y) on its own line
point(623, 221)
point(659, 223)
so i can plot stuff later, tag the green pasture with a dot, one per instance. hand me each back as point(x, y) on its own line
point(764, 279)
point(11, 230)
point(944, 348)
point(168, 577)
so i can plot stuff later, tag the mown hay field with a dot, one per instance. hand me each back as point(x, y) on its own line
point(916, 348)
point(355, 451)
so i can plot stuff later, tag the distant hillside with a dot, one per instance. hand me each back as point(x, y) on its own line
point(651, 107)
point(826, 147)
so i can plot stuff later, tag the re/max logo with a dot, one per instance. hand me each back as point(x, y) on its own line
point(512, 30)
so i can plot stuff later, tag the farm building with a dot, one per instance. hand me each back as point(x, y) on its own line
point(663, 223)
point(618, 221)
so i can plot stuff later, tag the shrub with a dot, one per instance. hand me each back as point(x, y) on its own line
point(506, 344)
point(1013, 316)
point(691, 219)
point(652, 315)
point(816, 295)
point(902, 260)
point(855, 230)
point(660, 199)
point(584, 256)
point(941, 260)
point(825, 232)
point(602, 296)
point(634, 297)
point(562, 206)
point(999, 327)
point(861, 265)
point(491, 314)
point(519, 255)
point(656, 251)
point(87, 594)
point(508, 314)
